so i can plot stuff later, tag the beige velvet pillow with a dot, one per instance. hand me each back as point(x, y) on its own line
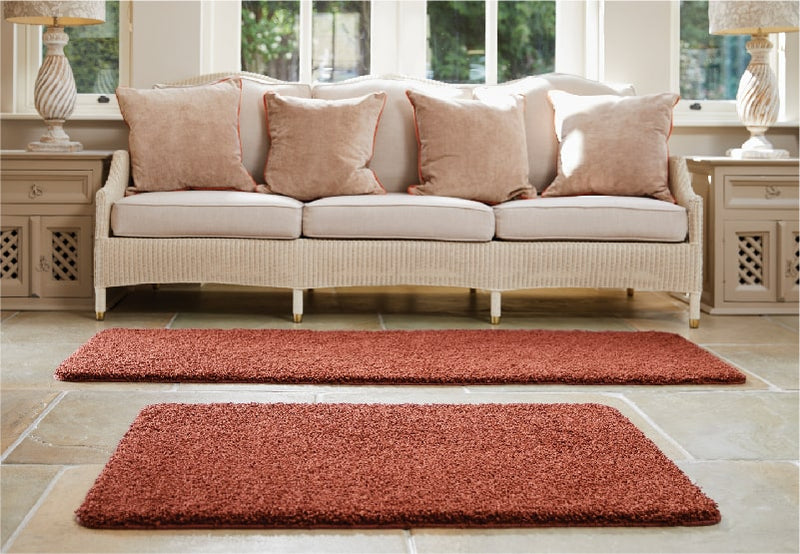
point(185, 138)
point(612, 145)
point(470, 149)
point(321, 148)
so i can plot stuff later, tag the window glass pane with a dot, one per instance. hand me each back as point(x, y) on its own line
point(93, 53)
point(340, 37)
point(456, 41)
point(270, 38)
point(711, 65)
point(526, 39)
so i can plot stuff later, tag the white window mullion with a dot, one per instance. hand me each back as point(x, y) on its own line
point(490, 55)
point(306, 40)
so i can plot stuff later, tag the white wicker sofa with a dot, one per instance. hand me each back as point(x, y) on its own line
point(248, 238)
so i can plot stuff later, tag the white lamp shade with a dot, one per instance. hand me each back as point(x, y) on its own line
point(64, 13)
point(735, 17)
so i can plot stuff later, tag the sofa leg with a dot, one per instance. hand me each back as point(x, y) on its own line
point(100, 303)
point(297, 305)
point(694, 310)
point(629, 292)
point(494, 308)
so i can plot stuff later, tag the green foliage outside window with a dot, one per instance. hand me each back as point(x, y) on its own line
point(93, 53)
point(270, 35)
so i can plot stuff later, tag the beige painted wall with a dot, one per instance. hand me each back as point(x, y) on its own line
point(168, 44)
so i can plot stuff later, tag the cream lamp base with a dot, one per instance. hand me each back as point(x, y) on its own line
point(757, 102)
point(55, 94)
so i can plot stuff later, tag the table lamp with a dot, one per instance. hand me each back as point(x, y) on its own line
point(757, 99)
point(55, 92)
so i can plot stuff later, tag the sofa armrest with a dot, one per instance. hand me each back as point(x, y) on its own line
point(112, 190)
point(680, 183)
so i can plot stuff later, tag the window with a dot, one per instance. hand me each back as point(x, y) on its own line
point(340, 42)
point(710, 65)
point(522, 40)
point(93, 51)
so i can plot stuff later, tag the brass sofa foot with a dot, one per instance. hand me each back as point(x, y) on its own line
point(298, 318)
point(100, 316)
point(495, 320)
point(694, 323)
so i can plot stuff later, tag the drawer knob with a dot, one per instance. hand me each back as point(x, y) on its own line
point(35, 192)
point(771, 192)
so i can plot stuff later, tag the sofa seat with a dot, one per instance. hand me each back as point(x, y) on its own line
point(207, 213)
point(598, 218)
point(398, 216)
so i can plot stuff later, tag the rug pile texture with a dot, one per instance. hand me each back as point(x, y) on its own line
point(395, 357)
point(389, 466)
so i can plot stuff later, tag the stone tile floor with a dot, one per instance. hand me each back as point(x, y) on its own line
point(738, 443)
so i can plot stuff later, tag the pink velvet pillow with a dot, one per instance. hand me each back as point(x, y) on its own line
point(185, 138)
point(613, 145)
point(321, 148)
point(471, 149)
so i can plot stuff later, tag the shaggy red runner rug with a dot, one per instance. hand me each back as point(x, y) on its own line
point(398, 466)
point(394, 357)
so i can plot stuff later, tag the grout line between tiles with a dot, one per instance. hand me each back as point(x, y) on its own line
point(171, 321)
point(655, 426)
point(24, 523)
point(381, 322)
point(33, 425)
point(412, 546)
point(12, 316)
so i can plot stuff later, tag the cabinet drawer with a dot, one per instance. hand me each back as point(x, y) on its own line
point(46, 187)
point(779, 192)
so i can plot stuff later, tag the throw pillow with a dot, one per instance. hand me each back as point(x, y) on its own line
point(321, 148)
point(185, 138)
point(470, 149)
point(612, 145)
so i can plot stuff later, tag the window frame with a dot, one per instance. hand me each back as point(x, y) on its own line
point(29, 55)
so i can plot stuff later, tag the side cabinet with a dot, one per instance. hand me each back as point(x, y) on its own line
point(47, 227)
point(751, 242)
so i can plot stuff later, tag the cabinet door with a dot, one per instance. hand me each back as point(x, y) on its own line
point(62, 258)
point(14, 251)
point(749, 261)
point(789, 261)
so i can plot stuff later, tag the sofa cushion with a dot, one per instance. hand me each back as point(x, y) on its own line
point(395, 159)
point(471, 149)
point(322, 148)
point(398, 216)
point(601, 218)
point(612, 145)
point(185, 138)
point(207, 214)
point(540, 136)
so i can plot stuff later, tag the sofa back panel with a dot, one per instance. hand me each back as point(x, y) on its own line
point(539, 115)
point(252, 116)
point(395, 157)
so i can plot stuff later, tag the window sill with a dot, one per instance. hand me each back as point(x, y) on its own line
point(686, 122)
point(110, 116)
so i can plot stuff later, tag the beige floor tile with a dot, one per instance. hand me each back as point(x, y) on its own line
point(719, 329)
point(85, 427)
point(43, 328)
point(20, 488)
point(727, 425)
point(310, 321)
point(53, 529)
point(19, 409)
point(789, 321)
point(777, 364)
point(758, 502)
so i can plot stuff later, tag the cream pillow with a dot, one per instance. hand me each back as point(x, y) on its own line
point(471, 149)
point(612, 145)
point(185, 138)
point(321, 148)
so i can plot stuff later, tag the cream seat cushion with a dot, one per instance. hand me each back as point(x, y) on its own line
point(601, 218)
point(398, 216)
point(207, 214)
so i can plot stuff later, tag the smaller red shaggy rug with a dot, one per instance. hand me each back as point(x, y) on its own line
point(392, 466)
point(395, 357)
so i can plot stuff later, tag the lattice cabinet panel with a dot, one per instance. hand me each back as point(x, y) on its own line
point(749, 256)
point(63, 260)
point(14, 267)
point(789, 279)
